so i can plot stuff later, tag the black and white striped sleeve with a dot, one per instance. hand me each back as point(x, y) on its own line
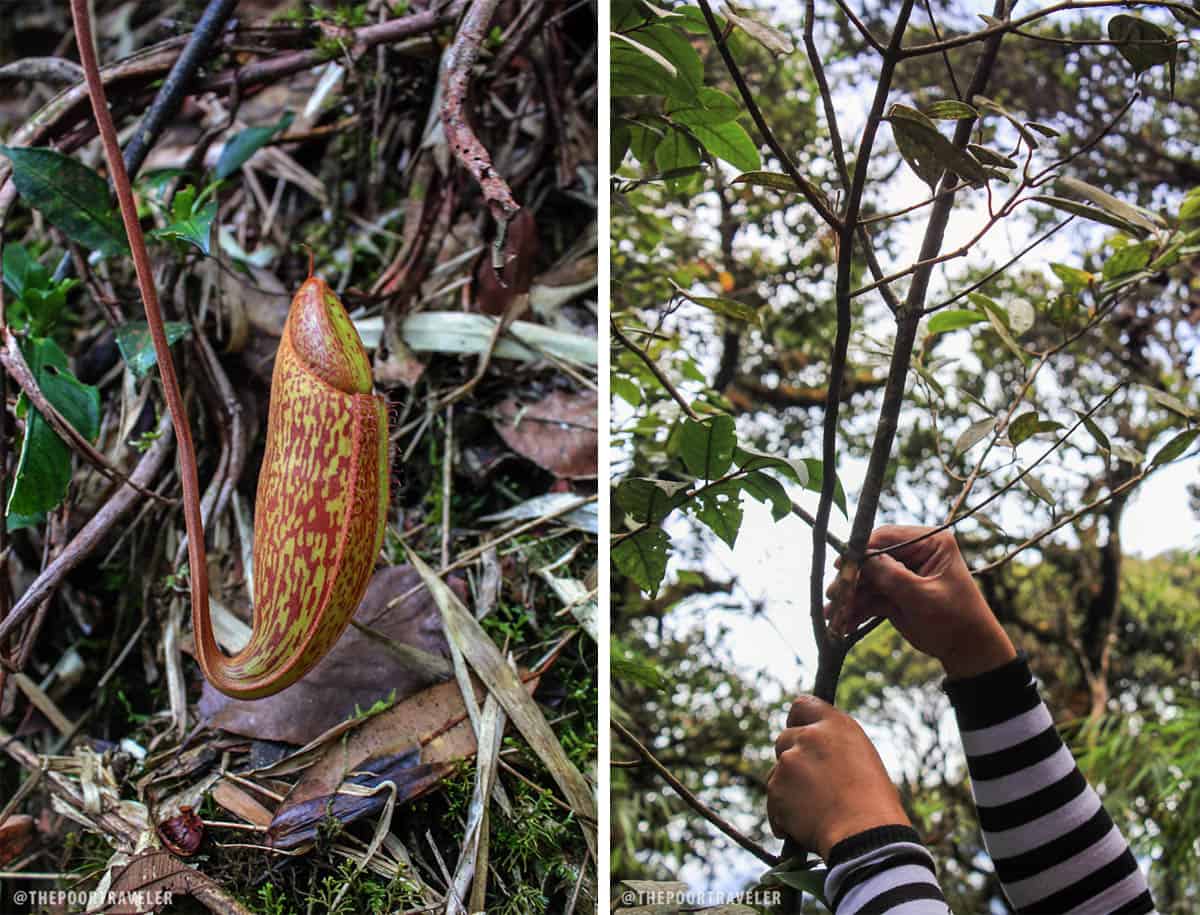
point(883, 870)
point(1055, 848)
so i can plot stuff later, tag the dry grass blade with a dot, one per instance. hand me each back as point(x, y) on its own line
point(502, 682)
point(473, 860)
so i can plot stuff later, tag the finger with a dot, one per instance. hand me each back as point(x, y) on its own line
point(889, 576)
point(808, 710)
point(784, 742)
point(776, 828)
point(892, 536)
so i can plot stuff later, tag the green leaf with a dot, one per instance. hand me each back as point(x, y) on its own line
point(986, 104)
point(191, 223)
point(648, 500)
point(1095, 214)
point(643, 141)
point(1044, 129)
point(750, 460)
point(22, 270)
point(711, 107)
point(927, 152)
point(1129, 259)
point(767, 489)
point(246, 143)
point(1170, 402)
point(990, 156)
point(794, 873)
point(816, 479)
point(950, 110)
point(627, 390)
point(707, 446)
point(1028, 424)
point(999, 321)
point(642, 556)
point(137, 348)
point(1189, 210)
point(954, 319)
point(730, 142)
point(1074, 279)
point(618, 144)
point(1175, 447)
point(720, 509)
point(1142, 43)
point(974, 434)
point(69, 194)
point(1038, 488)
point(1114, 206)
point(37, 299)
point(676, 151)
point(656, 60)
point(1094, 431)
point(1127, 453)
point(44, 466)
point(729, 308)
point(770, 38)
point(772, 180)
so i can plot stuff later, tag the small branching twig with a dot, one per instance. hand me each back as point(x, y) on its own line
point(809, 191)
point(694, 802)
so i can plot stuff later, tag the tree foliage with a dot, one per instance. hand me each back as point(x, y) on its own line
point(1019, 375)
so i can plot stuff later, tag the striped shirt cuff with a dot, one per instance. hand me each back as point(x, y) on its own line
point(1055, 848)
point(883, 870)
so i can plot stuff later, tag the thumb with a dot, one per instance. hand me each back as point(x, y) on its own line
point(894, 580)
point(808, 710)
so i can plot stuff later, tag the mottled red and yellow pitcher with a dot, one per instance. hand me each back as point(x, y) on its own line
point(322, 501)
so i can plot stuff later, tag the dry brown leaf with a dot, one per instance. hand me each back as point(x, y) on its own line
point(16, 834)
point(558, 433)
point(149, 881)
point(358, 672)
point(415, 744)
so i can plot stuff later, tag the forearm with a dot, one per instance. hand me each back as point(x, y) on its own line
point(1054, 846)
point(883, 870)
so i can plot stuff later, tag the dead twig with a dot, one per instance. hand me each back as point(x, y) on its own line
point(457, 63)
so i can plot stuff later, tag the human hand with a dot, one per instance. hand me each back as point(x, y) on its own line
point(926, 590)
point(828, 782)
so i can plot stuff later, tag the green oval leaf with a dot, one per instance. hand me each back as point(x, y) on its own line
point(974, 434)
point(772, 180)
point(719, 508)
point(649, 500)
point(707, 446)
point(767, 489)
point(246, 143)
point(950, 110)
point(729, 141)
point(137, 348)
point(1175, 447)
point(642, 556)
point(69, 194)
point(1142, 43)
point(44, 465)
point(954, 319)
